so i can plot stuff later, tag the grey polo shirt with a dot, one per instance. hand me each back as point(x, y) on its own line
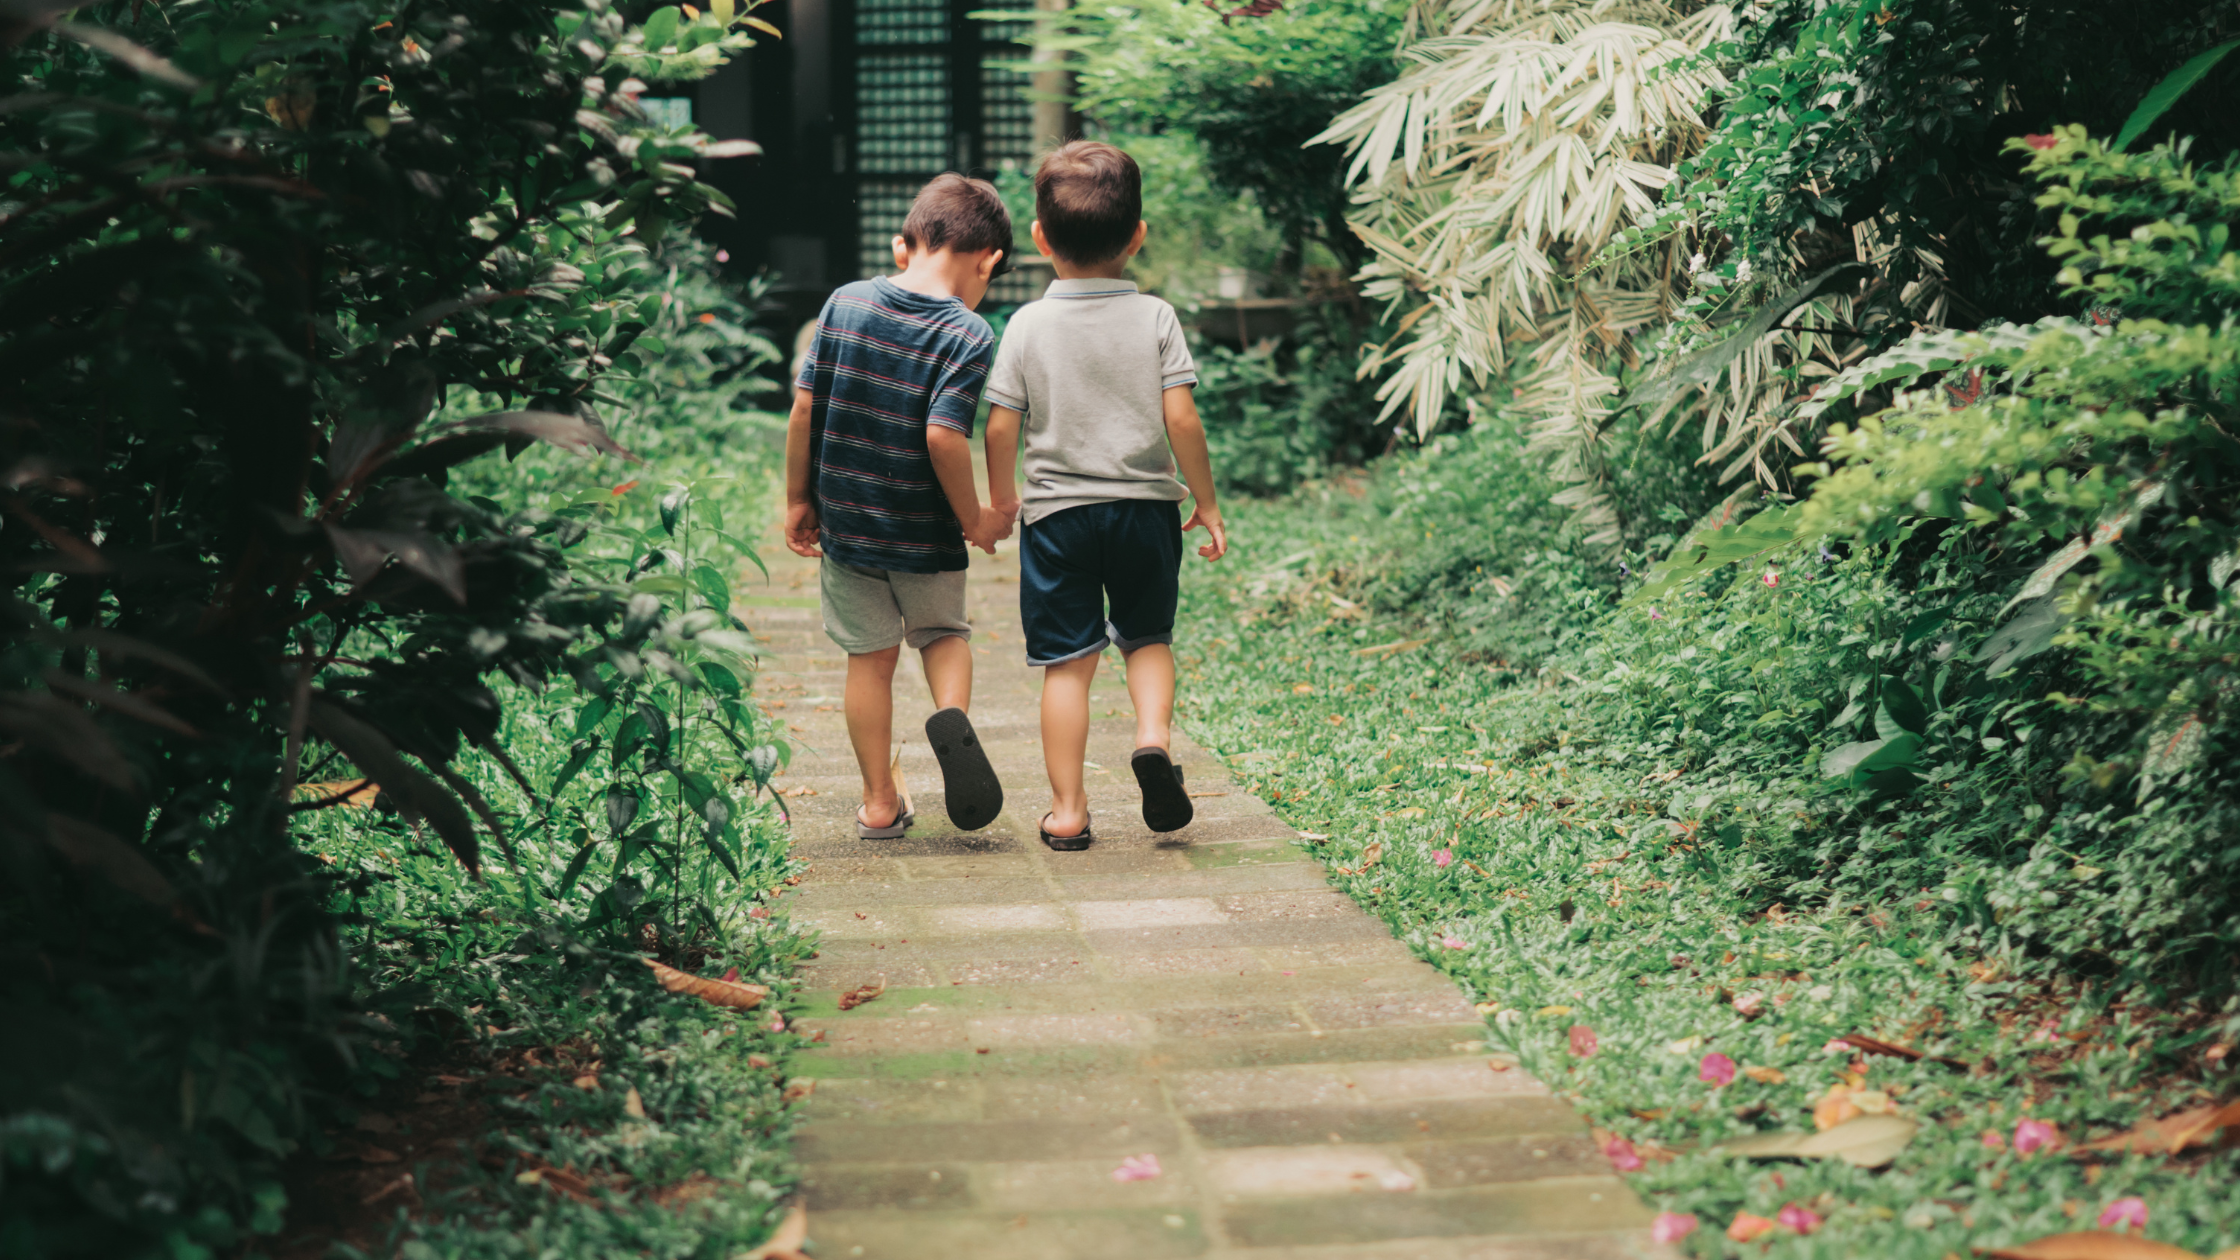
point(1087, 365)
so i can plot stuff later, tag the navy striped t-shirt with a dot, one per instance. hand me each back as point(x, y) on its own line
point(887, 362)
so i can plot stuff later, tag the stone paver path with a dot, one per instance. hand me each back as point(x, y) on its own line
point(1308, 1088)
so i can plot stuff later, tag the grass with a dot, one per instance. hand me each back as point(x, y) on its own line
point(1595, 883)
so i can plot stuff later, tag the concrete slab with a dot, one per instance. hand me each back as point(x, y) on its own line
point(1307, 1088)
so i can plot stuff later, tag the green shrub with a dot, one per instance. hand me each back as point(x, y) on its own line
point(247, 249)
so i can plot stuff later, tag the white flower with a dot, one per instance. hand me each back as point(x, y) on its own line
point(1742, 271)
point(1695, 264)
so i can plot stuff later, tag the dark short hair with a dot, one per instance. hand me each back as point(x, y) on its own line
point(953, 212)
point(1089, 197)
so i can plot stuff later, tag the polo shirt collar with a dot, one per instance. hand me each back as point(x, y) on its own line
point(1088, 288)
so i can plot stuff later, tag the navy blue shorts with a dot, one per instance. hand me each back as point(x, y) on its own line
point(1071, 563)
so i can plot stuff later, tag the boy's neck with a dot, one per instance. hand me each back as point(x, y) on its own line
point(1116, 269)
point(941, 273)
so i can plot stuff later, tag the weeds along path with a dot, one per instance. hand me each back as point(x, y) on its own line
point(1165, 1046)
point(1617, 904)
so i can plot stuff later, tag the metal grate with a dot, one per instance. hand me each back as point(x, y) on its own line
point(881, 206)
point(902, 114)
point(902, 22)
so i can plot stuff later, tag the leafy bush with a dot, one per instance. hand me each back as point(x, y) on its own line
point(248, 249)
point(1247, 90)
point(1285, 411)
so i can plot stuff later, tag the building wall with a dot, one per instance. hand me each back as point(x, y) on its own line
point(856, 107)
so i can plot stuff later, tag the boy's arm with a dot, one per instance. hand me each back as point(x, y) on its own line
point(1187, 434)
point(951, 453)
point(801, 508)
point(1003, 465)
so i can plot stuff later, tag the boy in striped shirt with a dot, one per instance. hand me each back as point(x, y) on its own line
point(879, 484)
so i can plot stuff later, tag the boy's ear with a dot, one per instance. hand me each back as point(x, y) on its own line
point(1041, 242)
point(986, 267)
point(1135, 243)
point(901, 253)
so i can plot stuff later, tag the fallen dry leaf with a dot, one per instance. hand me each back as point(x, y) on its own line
point(2091, 1244)
point(786, 1243)
point(589, 1080)
point(2171, 1134)
point(353, 793)
point(1835, 1107)
point(1871, 1045)
point(720, 992)
point(1766, 1075)
point(402, 1183)
point(373, 1155)
point(1746, 1227)
point(799, 1088)
point(1864, 1142)
point(862, 993)
point(632, 1105)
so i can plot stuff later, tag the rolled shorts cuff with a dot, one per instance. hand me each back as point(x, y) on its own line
point(1129, 645)
point(921, 639)
point(1090, 650)
point(861, 647)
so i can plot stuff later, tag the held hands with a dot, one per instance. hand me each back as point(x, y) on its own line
point(989, 526)
point(801, 529)
point(1217, 534)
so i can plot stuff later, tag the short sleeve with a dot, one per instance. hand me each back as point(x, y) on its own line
point(1007, 381)
point(1176, 367)
point(956, 390)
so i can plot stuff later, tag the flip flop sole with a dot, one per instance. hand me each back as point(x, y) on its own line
point(1068, 844)
point(1166, 806)
point(974, 793)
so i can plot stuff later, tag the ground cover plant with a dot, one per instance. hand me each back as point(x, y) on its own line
point(256, 262)
point(1615, 833)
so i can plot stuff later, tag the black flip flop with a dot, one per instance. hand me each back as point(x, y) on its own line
point(975, 796)
point(1067, 844)
point(1166, 807)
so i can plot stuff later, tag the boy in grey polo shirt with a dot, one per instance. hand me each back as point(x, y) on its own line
point(1100, 377)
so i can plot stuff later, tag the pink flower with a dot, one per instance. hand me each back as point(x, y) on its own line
point(759, 912)
point(1836, 1045)
point(723, 255)
point(1137, 1168)
point(1654, 615)
point(1716, 1068)
point(1622, 1155)
point(1770, 578)
point(2030, 1135)
point(778, 1024)
point(1583, 1041)
point(2128, 1213)
point(2041, 142)
point(1671, 1227)
point(1455, 942)
point(1992, 1141)
point(1802, 1220)
point(1442, 858)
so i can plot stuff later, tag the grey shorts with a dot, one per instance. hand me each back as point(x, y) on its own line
point(871, 610)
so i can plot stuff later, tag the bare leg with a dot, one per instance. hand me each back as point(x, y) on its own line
point(1151, 689)
point(1065, 741)
point(869, 706)
point(948, 662)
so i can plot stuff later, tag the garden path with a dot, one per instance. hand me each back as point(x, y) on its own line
point(1309, 1089)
